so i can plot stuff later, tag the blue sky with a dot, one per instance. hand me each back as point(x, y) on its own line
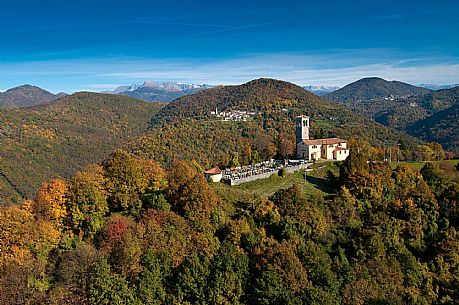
point(64, 45)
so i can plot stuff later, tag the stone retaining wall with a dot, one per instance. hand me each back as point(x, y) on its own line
point(289, 170)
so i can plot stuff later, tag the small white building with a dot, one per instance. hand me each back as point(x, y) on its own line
point(214, 174)
point(340, 153)
point(315, 149)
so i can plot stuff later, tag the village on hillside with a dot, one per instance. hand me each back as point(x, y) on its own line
point(234, 115)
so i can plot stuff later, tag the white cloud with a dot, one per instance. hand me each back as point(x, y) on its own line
point(297, 70)
point(333, 67)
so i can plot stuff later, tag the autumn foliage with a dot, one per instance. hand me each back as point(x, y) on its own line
point(128, 231)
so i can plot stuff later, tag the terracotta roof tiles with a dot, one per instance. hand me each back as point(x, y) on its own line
point(213, 171)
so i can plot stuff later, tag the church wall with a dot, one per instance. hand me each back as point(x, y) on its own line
point(314, 152)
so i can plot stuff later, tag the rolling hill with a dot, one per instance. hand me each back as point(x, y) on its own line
point(441, 127)
point(431, 116)
point(26, 96)
point(406, 111)
point(59, 138)
point(374, 88)
point(185, 128)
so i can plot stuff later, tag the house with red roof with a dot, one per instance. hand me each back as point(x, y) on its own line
point(214, 174)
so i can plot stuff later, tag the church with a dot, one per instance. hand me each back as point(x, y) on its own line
point(315, 149)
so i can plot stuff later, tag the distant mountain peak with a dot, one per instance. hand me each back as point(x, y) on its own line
point(437, 87)
point(24, 96)
point(166, 86)
point(320, 89)
point(154, 91)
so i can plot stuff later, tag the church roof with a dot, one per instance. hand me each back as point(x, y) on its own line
point(312, 142)
point(333, 141)
point(341, 148)
point(323, 141)
point(213, 171)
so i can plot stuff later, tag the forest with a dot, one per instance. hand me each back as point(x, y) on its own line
point(58, 138)
point(131, 231)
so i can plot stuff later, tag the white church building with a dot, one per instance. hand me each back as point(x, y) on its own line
point(315, 149)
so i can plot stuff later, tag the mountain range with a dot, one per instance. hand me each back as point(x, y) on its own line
point(320, 90)
point(158, 91)
point(435, 87)
point(26, 96)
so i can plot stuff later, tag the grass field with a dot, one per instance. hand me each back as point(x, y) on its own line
point(247, 192)
point(419, 165)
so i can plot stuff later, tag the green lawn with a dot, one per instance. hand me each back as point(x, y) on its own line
point(266, 187)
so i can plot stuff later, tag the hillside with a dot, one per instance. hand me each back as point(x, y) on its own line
point(185, 128)
point(431, 117)
point(61, 137)
point(129, 231)
point(406, 111)
point(25, 96)
point(441, 127)
point(373, 88)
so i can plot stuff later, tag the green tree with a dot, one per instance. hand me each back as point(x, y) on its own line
point(87, 201)
point(433, 176)
point(269, 289)
point(192, 279)
point(106, 288)
point(228, 276)
point(325, 284)
point(152, 281)
point(128, 178)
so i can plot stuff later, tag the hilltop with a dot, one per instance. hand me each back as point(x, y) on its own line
point(26, 96)
point(185, 128)
point(61, 137)
point(373, 88)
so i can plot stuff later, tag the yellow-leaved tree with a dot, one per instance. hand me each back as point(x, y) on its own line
point(50, 202)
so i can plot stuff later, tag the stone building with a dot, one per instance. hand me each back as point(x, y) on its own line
point(315, 149)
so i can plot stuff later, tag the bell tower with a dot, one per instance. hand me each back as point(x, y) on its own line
point(302, 128)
